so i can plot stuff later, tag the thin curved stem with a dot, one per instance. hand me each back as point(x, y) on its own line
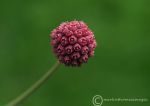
point(34, 87)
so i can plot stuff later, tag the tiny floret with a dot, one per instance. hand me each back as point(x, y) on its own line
point(73, 43)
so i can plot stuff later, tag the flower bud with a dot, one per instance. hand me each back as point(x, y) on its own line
point(72, 40)
point(69, 49)
point(73, 43)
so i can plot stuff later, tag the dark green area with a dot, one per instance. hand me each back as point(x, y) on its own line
point(120, 67)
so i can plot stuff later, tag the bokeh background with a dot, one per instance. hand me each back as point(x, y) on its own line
point(119, 69)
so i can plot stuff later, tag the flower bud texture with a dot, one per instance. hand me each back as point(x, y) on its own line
point(73, 43)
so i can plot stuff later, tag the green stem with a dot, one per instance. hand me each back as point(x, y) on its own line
point(34, 87)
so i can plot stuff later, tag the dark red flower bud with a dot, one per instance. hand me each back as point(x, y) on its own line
point(75, 56)
point(72, 27)
point(64, 41)
point(84, 58)
point(69, 33)
point(73, 43)
point(84, 50)
point(67, 60)
point(77, 47)
point(54, 42)
point(91, 53)
point(72, 39)
point(58, 37)
point(82, 41)
point(69, 49)
point(60, 49)
point(91, 47)
point(90, 39)
point(78, 33)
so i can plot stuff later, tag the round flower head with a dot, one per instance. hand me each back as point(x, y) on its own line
point(73, 43)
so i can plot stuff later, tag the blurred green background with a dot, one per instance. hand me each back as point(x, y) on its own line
point(120, 67)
